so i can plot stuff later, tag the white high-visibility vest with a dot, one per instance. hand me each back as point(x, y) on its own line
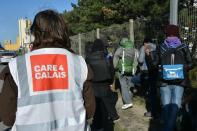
point(50, 83)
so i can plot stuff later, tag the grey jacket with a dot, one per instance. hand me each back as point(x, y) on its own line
point(141, 58)
point(131, 52)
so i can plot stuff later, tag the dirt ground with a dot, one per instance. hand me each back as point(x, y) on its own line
point(132, 119)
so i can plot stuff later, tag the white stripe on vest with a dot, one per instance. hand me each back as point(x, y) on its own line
point(57, 106)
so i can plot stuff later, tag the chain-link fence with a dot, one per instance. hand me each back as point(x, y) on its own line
point(113, 34)
point(150, 29)
point(79, 42)
point(141, 29)
point(110, 35)
point(188, 26)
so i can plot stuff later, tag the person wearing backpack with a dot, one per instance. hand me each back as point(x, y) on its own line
point(102, 67)
point(174, 61)
point(125, 63)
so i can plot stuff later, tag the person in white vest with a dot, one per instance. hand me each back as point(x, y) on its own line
point(51, 82)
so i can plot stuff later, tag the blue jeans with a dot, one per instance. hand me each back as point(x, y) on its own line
point(136, 79)
point(171, 98)
point(171, 94)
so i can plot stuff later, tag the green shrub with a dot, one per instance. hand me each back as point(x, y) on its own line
point(117, 127)
point(193, 77)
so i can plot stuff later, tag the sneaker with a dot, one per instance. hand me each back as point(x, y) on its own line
point(126, 106)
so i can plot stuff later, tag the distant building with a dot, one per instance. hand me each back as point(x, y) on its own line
point(8, 45)
point(24, 38)
point(24, 32)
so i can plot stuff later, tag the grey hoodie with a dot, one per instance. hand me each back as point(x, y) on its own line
point(141, 58)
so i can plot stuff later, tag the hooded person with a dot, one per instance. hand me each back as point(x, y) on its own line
point(148, 76)
point(147, 45)
point(125, 64)
point(102, 66)
point(174, 61)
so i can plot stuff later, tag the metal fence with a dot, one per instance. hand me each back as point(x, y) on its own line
point(138, 30)
point(113, 34)
point(151, 29)
point(188, 26)
point(78, 42)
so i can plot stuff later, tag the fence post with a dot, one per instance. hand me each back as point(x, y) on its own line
point(79, 39)
point(97, 33)
point(131, 29)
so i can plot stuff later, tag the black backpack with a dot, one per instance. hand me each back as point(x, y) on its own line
point(100, 66)
point(179, 52)
point(172, 56)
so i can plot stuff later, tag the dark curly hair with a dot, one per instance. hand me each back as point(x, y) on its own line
point(50, 30)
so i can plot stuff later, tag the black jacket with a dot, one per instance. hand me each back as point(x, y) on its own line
point(103, 71)
point(102, 67)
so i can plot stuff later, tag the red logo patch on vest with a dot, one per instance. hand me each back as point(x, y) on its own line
point(49, 72)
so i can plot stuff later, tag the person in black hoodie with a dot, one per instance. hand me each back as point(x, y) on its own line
point(149, 77)
point(174, 60)
point(102, 66)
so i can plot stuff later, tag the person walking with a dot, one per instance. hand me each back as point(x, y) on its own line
point(125, 63)
point(48, 88)
point(102, 66)
point(175, 61)
point(149, 76)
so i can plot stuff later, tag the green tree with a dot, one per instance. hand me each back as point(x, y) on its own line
point(91, 14)
point(85, 16)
